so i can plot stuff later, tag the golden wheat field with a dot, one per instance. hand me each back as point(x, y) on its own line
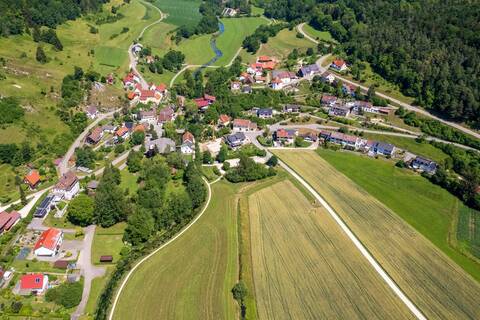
point(304, 267)
point(439, 288)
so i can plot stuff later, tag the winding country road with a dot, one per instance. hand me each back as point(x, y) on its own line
point(393, 100)
point(188, 226)
point(131, 55)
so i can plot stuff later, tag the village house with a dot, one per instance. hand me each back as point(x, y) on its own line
point(147, 116)
point(122, 132)
point(345, 140)
point(247, 89)
point(68, 186)
point(224, 120)
point(266, 62)
point(244, 125)
point(327, 77)
point(49, 243)
point(236, 140)
point(95, 136)
point(8, 220)
point(382, 148)
point(130, 80)
point(339, 110)
point(265, 113)
point(229, 12)
point(349, 89)
point(92, 112)
point(204, 102)
point(255, 69)
point(328, 100)
point(339, 65)
point(35, 283)
point(160, 145)
point(285, 136)
point(109, 128)
point(281, 78)
point(309, 70)
point(141, 127)
point(291, 108)
point(166, 115)
point(260, 79)
point(146, 96)
point(32, 179)
point(308, 135)
point(188, 143)
point(235, 85)
point(363, 106)
point(424, 165)
point(45, 206)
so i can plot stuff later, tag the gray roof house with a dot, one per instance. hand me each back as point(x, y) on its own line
point(387, 149)
point(309, 70)
point(163, 145)
point(265, 113)
point(236, 139)
point(424, 164)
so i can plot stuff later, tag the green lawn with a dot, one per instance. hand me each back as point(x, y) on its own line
point(97, 286)
point(422, 149)
point(108, 242)
point(430, 209)
point(34, 266)
point(197, 49)
point(129, 181)
point(62, 222)
point(257, 10)
point(208, 173)
point(180, 12)
point(279, 46)
point(317, 34)
point(192, 277)
point(236, 29)
point(110, 56)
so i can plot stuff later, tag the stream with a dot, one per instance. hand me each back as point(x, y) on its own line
point(213, 45)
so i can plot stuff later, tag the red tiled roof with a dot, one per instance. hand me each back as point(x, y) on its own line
point(121, 131)
point(264, 58)
point(224, 118)
point(338, 62)
point(8, 219)
point(31, 281)
point(48, 239)
point(187, 136)
point(244, 123)
point(162, 87)
point(328, 99)
point(96, 134)
point(209, 98)
point(166, 114)
point(282, 133)
point(139, 127)
point(269, 65)
point(32, 178)
point(131, 95)
point(201, 102)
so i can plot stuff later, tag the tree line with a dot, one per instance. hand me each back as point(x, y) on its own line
point(17, 16)
point(440, 69)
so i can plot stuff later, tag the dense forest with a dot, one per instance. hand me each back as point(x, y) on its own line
point(18, 15)
point(432, 57)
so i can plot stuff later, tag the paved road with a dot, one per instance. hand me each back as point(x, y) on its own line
point(63, 166)
point(129, 274)
point(32, 199)
point(132, 56)
point(89, 271)
point(396, 101)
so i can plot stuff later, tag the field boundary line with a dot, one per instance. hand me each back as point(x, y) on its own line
point(188, 226)
point(363, 250)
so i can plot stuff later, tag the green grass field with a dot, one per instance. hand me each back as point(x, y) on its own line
point(108, 241)
point(327, 279)
point(197, 49)
point(110, 56)
point(180, 12)
point(404, 222)
point(279, 46)
point(317, 34)
point(468, 230)
point(129, 181)
point(422, 149)
point(192, 277)
point(236, 30)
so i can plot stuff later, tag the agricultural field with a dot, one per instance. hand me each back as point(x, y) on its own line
point(304, 267)
point(236, 30)
point(180, 12)
point(199, 289)
point(423, 149)
point(317, 34)
point(421, 270)
point(279, 46)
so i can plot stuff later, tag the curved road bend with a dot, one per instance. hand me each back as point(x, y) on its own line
point(188, 226)
point(384, 96)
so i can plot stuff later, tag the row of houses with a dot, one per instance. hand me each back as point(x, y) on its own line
point(339, 107)
point(373, 148)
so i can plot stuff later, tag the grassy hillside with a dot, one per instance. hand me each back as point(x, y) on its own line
point(199, 289)
point(180, 12)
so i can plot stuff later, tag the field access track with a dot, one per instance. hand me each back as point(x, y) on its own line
point(305, 267)
point(432, 281)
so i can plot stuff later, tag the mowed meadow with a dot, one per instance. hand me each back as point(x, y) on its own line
point(305, 267)
point(192, 277)
point(434, 283)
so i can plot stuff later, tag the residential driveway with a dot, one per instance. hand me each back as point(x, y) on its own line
point(88, 270)
point(37, 224)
